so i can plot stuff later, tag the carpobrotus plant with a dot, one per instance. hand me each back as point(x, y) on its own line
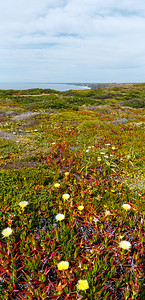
point(79, 231)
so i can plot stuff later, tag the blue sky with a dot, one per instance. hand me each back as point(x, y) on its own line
point(72, 41)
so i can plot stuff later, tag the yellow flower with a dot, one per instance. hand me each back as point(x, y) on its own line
point(65, 196)
point(57, 185)
point(82, 285)
point(126, 206)
point(6, 232)
point(66, 173)
point(125, 245)
point(23, 204)
point(80, 207)
point(63, 265)
point(99, 159)
point(60, 217)
point(113, 148)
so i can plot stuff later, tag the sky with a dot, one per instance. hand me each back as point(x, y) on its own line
point(72, 41)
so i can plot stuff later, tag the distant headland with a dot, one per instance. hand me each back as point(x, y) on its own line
point(104, 85)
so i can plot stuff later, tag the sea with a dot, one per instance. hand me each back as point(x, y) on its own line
point(40, 85)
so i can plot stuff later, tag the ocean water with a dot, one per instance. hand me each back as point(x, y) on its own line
point(32, 85)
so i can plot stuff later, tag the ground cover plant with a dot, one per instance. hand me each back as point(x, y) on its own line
point(72, 194)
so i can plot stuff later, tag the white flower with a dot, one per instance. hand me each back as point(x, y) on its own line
point(125, 245)
point(6, 232)
point(60, 217)
point(126, 206)
point(121, 237)
point(23, 204)
point(65, 196)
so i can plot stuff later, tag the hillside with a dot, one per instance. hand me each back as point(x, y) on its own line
point(72, 190)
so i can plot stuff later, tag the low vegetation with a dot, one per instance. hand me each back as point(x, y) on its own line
point(72, 194)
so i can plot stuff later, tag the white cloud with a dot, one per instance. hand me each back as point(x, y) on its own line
point(72, 39)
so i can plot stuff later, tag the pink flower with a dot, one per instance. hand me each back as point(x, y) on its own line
point(96, 219)
point(107, 213)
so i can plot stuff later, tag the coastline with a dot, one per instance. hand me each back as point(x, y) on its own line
point(105, 85)
point(62, 86)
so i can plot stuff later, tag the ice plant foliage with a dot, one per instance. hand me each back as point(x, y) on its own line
point(63, 265)
point(7, 232)
point(82, 285)
point(125, 245)
point(126, 206)
point(60, 217)
point(43, 254)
